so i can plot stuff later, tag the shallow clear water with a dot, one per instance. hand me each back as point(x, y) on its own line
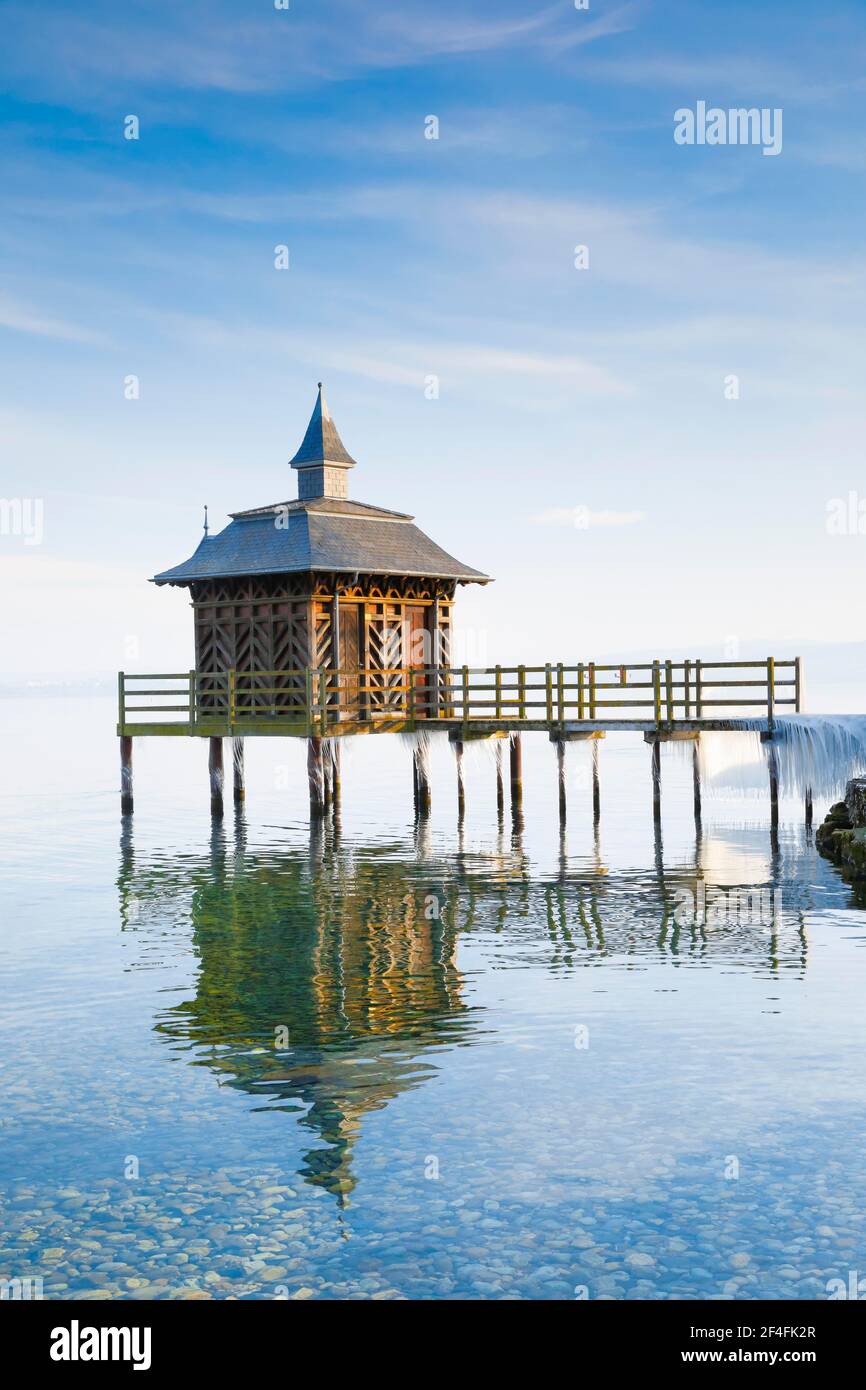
point(385, 1059)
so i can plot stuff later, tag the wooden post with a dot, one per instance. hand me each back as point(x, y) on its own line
point(798, 684)
point(327, 768)
point(657, 692)
point(232, 697)
point(126, 802)
point(773, 768)
point(656, 745)
point(699, 694)
point(596, 783)
point(500, 786)
point(461, 790)
point(515, 748)
point(696, 778)
point(560, 771)
point(323, 701)
point(422, 778)
point(335, 629)
point(364, 675)
point(335, 775)
point(407, 680)
point(308, 693)
point(238, 769)
point(592, 690)
point(771, 691)
point(215, 768)
point(315, 777)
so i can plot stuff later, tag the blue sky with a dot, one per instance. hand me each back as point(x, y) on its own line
point(559, 388)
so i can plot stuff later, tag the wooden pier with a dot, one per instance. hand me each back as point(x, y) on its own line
point(663, 700)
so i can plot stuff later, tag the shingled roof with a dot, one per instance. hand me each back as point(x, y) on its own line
point(320, 533)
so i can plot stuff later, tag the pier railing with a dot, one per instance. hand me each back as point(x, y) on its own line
point(323, 701)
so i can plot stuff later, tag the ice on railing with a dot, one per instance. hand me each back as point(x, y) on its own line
point(817, 751)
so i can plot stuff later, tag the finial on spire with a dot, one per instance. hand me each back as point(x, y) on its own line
point(205, 519)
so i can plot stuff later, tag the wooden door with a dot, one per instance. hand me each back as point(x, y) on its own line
point(416, 654)
point(350, 660)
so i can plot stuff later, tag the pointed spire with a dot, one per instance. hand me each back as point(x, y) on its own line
point(322, 443)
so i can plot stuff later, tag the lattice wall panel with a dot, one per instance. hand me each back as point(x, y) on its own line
point(252, 625)
point(284, 624)
point(384, 623)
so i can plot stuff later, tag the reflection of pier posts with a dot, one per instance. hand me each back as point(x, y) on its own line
point(808, 808)
point(125, 884)
point(696, 779)
point(423, 838)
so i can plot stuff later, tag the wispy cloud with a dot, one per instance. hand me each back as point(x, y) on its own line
point(406, 362)
point(204, 46)
point(21, 318)
point(586, 30)
point(414, 31)
point(737, 73)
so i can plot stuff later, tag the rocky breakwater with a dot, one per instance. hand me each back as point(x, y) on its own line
point(842, 835)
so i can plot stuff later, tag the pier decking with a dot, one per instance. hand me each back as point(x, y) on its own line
point(686, 697)
point(663, 700)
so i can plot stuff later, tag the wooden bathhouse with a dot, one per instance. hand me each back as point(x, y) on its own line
point(321, 582)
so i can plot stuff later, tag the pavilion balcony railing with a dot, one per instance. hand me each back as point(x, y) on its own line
point(321, 699)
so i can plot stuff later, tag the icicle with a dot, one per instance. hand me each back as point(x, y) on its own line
point(817, 751)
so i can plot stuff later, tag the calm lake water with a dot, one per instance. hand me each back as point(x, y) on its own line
point(390, 1060)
